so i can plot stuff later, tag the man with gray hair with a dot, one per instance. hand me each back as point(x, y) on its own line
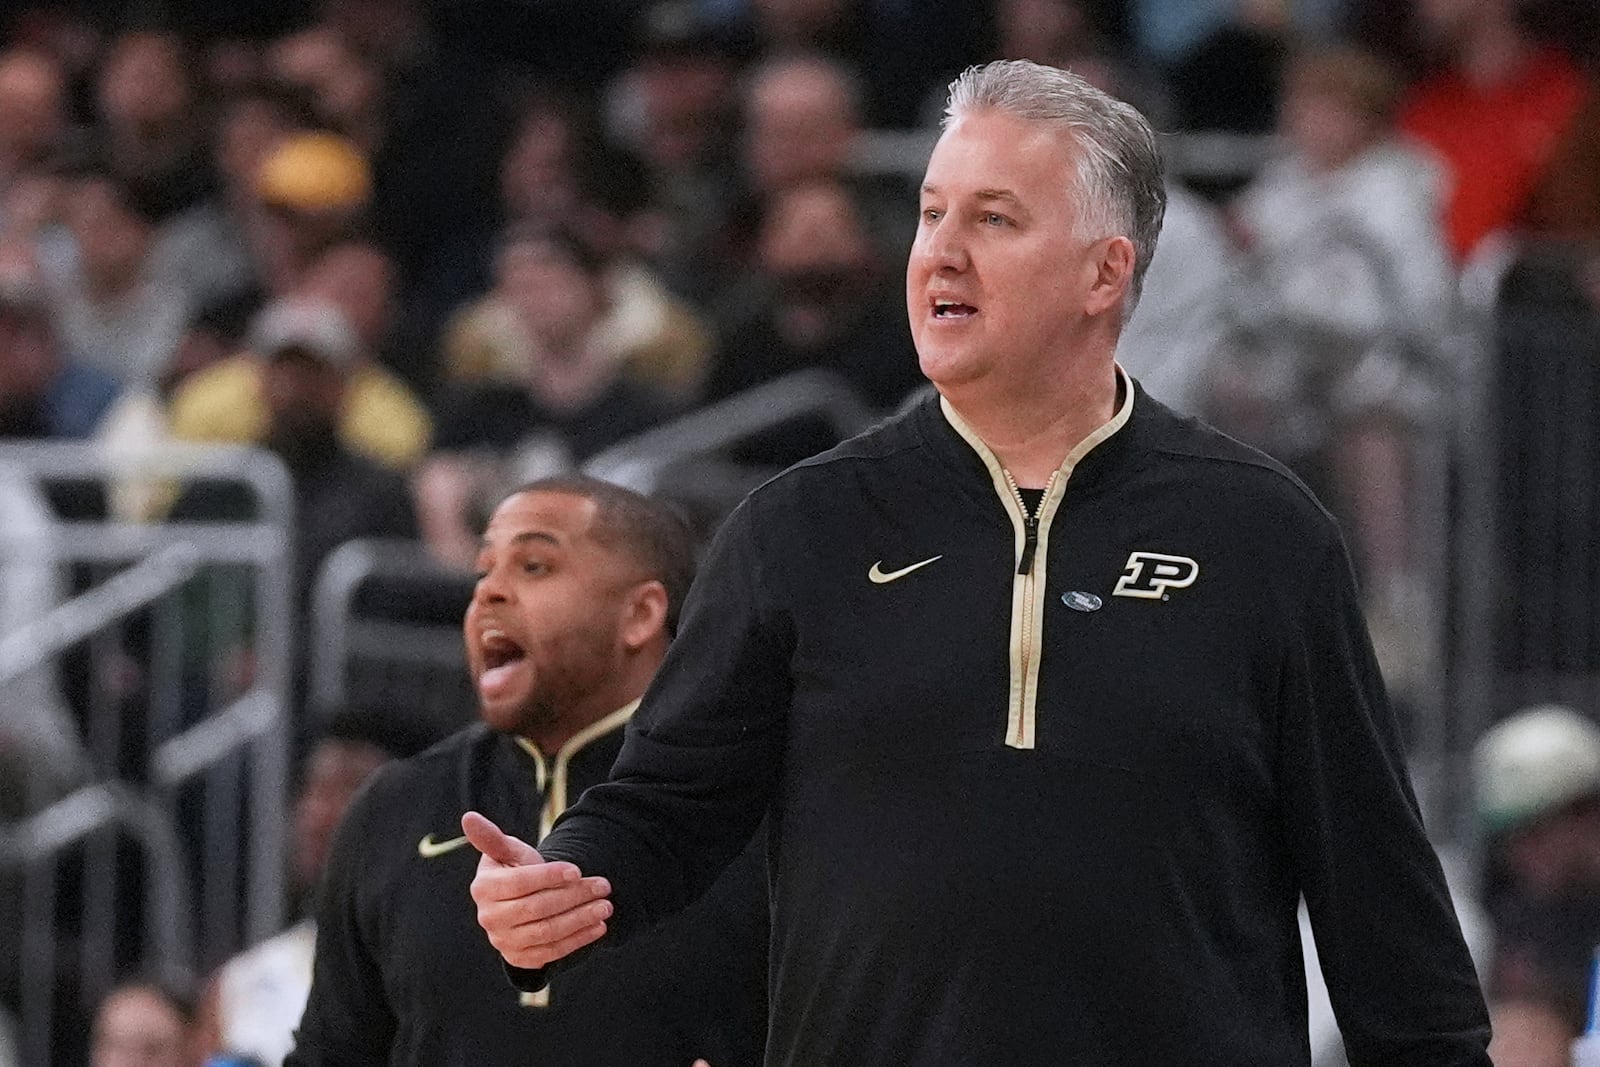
point(1058, 702)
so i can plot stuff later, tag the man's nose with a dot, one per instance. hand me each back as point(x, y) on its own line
point(942, 248)
point(490, 588)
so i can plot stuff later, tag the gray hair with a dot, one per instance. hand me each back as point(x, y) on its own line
point(1119, 173)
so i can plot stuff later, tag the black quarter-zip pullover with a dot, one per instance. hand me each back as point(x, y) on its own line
point(1059, 813)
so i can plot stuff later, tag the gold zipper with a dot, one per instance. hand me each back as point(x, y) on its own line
point(1019, 738)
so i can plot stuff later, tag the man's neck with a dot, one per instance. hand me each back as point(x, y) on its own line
point(551, 738)
point(1032, 431)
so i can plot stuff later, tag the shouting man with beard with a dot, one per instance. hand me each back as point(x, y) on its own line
point(579, 585)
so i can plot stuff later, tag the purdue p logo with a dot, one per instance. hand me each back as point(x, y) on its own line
point(1148, 575)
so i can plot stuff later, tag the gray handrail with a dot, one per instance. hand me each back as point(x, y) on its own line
point(215, 737)
point(86, 811)
point(639, 462)
point(258, 467)
point(264, 544)
point(1477, 442)
point(333, 603)
point(66, 624)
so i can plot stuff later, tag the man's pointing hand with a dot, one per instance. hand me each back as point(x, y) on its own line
point(534, 912)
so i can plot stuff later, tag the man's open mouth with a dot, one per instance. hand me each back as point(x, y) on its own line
point(499, 650)
point(951, 309)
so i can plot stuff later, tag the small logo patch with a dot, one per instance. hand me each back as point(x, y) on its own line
point(878, 576)
point(1081, 601)
point(1148, 575)
point(429, 849)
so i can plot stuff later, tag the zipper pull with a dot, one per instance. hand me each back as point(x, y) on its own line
point(1030, 541)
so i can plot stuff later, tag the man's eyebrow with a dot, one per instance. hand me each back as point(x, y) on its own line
point(982, 194)
point(997, 194)
point(524, 537)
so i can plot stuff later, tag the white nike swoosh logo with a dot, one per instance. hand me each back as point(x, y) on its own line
point(428, 848)
point(879, 577)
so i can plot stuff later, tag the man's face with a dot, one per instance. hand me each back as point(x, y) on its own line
point(334, 772)
point(112, 240)
point(543, 628)
point(32, 114)
point(137, 1028)
point(998, 275)
point(359, 281)
point(143, 83)
point(800, 126)
point(557, 301)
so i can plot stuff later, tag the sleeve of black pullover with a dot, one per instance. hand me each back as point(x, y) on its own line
point(348, 1021)
point(1399, 976)
point(702, 755)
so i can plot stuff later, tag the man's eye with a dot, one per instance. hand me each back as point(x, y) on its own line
point(534, 567)
point(993, 219)
point(930, 215)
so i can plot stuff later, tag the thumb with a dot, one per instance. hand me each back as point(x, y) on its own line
point(495, 843)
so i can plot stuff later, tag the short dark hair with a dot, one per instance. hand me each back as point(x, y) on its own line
point(650, 531)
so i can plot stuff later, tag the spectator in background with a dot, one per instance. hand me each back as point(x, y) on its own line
point(1222, 58)
point(573, 394)
point(558, 174)
point(1537, 783)
point(214, 333)
point(308, 359)
point(399, 95)
point(1494, 115)
point(143, 1023)
point(345, 88)
point(891, 38)
point(1354, 301)
point(671, 108)
point(148, 104)
point(803, 123)
point(253, 1003)
point(216, 248)
point(113, 311)
point(1174, 339)
point(33, 121)
point(380, 418)
point(315, 190)
point(43, 392)
point(822, 297)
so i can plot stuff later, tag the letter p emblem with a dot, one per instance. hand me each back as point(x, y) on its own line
point(1148, 575)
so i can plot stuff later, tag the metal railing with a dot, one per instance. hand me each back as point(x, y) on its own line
point(410, 662)
point(1530, 568)
point(640, 462)
point(187, 768)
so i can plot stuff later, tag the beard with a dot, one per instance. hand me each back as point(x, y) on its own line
point(569, 668)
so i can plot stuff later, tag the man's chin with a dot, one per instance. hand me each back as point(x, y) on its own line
point(505, 716)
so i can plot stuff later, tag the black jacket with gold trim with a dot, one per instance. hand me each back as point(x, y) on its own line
point(1042, 790)
point(403, 974)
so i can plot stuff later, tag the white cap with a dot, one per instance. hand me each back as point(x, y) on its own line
point(315, 326)
point(1534, 762)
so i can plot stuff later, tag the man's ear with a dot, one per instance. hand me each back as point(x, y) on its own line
point(1113, 276)
point(644, 614)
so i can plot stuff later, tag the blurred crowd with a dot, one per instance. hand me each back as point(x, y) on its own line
point(421, 249)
